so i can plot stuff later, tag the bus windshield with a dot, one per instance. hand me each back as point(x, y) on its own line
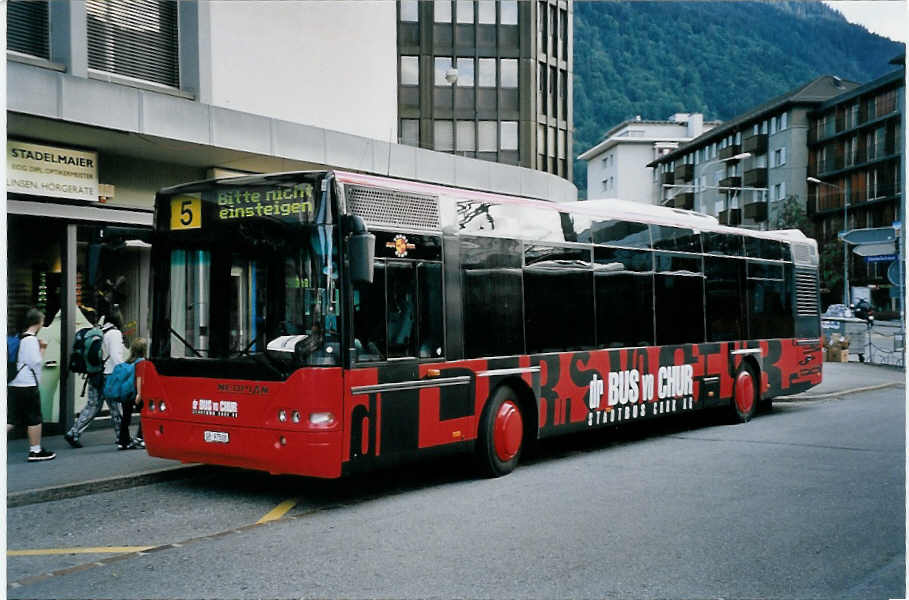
point(249, 269)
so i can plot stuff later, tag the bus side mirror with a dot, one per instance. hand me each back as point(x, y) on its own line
point(362, 251)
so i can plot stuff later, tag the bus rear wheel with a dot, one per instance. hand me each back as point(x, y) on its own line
point(501, 434)
point(745, 396)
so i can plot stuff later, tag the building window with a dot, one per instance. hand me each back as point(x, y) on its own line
point(508, 132)
point(465, 68)
point(410, 70)
point(773, 125)
point(442, 11)
point(467, 136)
point(561, 143)
point(509, 12)
point(486, 136)
point(410, 132)
point(509, 73)
point(443, 139)
point(486, 12)
point(784, 118)
point(486, 75)
point(442, 64)
point(465, 11)
point(410, 11)
point(134, 38)
point(563, 28)
point(27, 28)
point(764, 127)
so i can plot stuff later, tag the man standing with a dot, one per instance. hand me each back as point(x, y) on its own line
point(23, 391)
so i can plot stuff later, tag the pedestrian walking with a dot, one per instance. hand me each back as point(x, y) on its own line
point(113, 353)
point(23, 391)
point(124, 386)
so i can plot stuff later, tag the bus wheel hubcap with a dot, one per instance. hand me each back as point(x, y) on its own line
point(744, 392)
point(507, 431)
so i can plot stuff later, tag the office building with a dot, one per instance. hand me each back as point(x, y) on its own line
point(488, 79)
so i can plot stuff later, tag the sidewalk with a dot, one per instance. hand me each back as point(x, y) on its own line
point(99, 466)
point(96, 467)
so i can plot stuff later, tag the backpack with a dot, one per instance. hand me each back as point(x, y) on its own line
point(120, 385)
point(86, 354)
point(12, 355)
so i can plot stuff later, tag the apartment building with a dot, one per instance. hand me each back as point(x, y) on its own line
point(110, 100)
point(742, 170)
point(856, 144)
point(488, 79)
point(617, 166)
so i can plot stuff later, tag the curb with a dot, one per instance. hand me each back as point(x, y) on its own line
point(869, 388)
point(96, 486)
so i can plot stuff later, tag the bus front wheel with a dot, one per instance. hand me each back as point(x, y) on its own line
point(501, 434)
point(746, 394)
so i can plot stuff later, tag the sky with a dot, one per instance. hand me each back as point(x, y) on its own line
point(888, 18)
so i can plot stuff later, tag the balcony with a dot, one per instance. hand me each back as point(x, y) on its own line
point(684, 172)
point(668, 178)
point(756, 211)
point(729, 151)
point(755, 177)
point(756, 144)
point(683, 200)
point(732, 216)
point(733, 181)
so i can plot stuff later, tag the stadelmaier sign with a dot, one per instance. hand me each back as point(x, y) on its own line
point(40, 170)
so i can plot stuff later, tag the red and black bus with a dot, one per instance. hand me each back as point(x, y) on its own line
point(317, 323)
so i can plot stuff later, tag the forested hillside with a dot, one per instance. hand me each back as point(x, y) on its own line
point(720, 58)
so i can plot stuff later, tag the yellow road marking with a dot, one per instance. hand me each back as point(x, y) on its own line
point(278, 511)
point(96, 550)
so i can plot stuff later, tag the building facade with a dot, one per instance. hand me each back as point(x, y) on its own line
point(743, 170)
point(488, 79)
point(856, 145)
point(617, 166)
point(110, 100)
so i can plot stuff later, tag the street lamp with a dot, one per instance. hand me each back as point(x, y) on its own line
point(817, 181)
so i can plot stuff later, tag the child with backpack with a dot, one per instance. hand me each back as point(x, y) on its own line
point(23, 376)
point(110, 352)
point(124, 388)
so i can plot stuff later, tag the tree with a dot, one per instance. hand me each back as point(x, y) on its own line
point(830, 269)
point(789, 214)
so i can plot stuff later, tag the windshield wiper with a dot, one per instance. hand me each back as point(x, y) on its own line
point(244, 351)
point(185, 343)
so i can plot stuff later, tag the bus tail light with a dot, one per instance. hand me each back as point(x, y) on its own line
point(321, 419)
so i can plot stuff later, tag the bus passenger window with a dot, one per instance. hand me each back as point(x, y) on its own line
point(401, 310)
point(369, 317)
point(429, 276)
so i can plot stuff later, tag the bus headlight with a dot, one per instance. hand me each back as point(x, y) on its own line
point(295, 417)
point(321, 419)
point(161, 406)
point(151, 405)
point(282, 416)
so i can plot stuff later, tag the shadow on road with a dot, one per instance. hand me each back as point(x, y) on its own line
point(321, 494)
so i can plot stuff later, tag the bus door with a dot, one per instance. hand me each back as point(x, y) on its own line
point(401, 396)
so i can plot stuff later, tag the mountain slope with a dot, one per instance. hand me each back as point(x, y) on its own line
point(719, 58)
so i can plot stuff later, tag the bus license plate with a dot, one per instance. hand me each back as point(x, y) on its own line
point(220, 437)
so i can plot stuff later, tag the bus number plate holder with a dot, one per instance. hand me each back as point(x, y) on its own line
point(217, 437)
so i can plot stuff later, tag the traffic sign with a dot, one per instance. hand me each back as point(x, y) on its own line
point(871, 235)
point(893, 273)
point(880, 258)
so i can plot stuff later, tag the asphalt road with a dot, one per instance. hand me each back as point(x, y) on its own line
point(806, 501)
